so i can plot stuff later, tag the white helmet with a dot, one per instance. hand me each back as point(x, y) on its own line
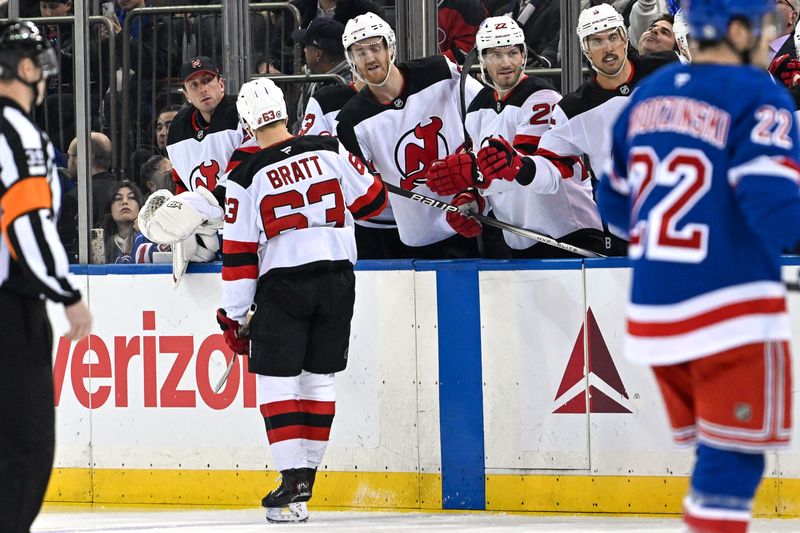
point(681, 31)
point(260, 102)
point(496, 32)
point(599, 18)
point(363, 27)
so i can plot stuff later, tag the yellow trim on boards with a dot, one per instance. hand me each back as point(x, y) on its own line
point(388, 490)
point(620, 494)
point(401, 491)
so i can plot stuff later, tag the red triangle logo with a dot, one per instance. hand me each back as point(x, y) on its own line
point(603, 377)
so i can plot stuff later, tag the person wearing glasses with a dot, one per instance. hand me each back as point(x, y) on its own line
point(784, 65)
point(102, 181)
point(787, 18)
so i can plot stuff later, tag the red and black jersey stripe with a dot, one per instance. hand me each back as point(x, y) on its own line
point(239, 260)
point(371, 203)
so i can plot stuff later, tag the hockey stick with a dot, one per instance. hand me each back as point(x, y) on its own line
point(472, 56)
point(244, 329)
point(444, 206)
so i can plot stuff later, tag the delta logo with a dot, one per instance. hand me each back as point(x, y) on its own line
point(594, 371)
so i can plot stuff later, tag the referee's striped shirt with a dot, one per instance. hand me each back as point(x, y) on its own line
point(32, 259)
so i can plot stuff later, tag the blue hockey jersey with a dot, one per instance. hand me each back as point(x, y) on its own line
point(703, 177)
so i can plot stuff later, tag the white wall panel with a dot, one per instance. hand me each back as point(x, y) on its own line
point(530, 321)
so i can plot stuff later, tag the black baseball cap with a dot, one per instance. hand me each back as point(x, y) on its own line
point(324, 33)
point(196, 65)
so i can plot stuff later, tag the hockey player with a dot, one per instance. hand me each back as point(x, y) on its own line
point(33, 266)
point(682, 36)
point(376, 238)
point(516, 110)
point(289, 247)
point(203, 136)
point(704, 177)
point(201, 142)
point(407, 117)
point(581, 121)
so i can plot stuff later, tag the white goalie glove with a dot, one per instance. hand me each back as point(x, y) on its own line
point(168, 219)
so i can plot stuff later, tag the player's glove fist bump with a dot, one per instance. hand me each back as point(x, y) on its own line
point(452, 174)
point(499, 160)
point(465, 225)
point(231, 333)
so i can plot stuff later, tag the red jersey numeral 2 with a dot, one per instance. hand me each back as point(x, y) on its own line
point(275, 225)
point(541, 114)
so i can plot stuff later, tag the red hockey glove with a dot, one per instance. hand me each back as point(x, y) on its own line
point(452, 174)
point(231, 331)
point(499, 159)
point(788, 70)
point(463, 224)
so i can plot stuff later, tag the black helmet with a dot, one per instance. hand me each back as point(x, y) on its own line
point(19, 39)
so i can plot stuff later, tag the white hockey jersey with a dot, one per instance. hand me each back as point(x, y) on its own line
point(200, 151)
point(582, 123)
point(323, 107)
point(401, 138)
point(321, 118)
point(522, 117)
point(290, 205)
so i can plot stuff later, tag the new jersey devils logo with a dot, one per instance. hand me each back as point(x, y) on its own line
point(416, 150)
point(205, 175)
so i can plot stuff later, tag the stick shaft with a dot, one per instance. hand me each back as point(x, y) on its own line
point(244, 329)
point(444, 206)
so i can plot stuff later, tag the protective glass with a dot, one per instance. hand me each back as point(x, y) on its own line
point(770, 26)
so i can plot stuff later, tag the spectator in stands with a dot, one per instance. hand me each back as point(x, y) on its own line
point(541, 22)
point(102, 181)
point(161, 124)
point(59, 107)
point(157, 175)
point(495, 7)
point(150, 37)
point(123, 206)
point(340, 10)
point(458, 23)
point(55, 8)
point(155, 146)
point(787, 18)
point(637, 14)
point(154, 46)
point(324, 53)
point(659, 37)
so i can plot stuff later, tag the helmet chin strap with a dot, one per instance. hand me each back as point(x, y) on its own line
point(34, 85)
point(381, 84)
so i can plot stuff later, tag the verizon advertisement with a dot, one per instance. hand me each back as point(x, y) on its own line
point(139, 392)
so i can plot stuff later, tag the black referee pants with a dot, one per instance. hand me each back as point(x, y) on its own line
point(27, 412)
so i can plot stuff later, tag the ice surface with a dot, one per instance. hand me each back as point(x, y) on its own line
point(95, 519)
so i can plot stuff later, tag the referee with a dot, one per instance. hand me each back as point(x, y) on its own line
point(33, 266)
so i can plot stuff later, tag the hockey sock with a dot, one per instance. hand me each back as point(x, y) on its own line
point(723, 486)
point(318, 401)
point(298, 412)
